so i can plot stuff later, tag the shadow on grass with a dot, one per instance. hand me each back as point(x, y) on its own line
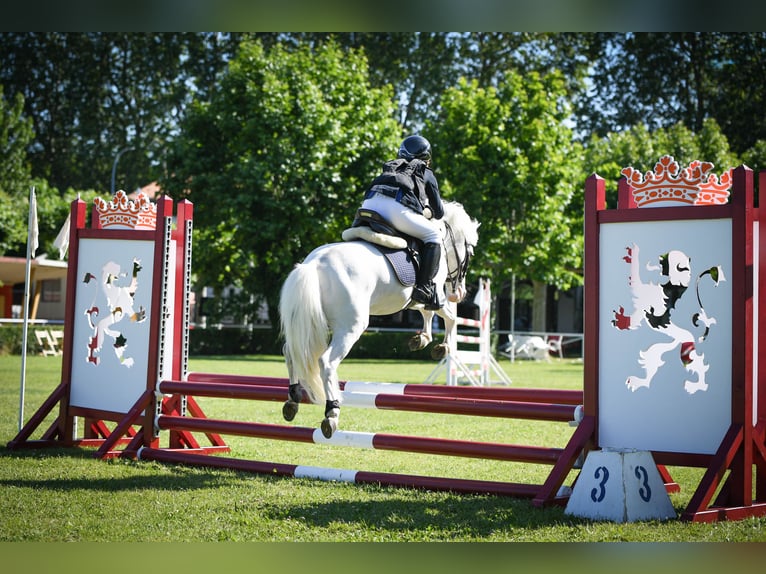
point(452, 515)
point(112, 473)
point(366, 507)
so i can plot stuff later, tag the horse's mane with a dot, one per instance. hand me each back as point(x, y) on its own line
point(456, 216)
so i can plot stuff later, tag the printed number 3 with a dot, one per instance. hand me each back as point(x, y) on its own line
point(597, 494)
point(644, 492)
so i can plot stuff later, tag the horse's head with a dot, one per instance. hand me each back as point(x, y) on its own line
point(461, 237)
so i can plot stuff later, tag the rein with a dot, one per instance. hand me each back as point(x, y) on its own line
point(456, 275)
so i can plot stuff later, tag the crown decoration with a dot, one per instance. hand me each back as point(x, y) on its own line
point(124, 213)
point(669, 185)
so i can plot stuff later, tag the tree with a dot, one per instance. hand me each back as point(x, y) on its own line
point(508, 156)
point(739, 102)
point(92, 95)
point(640, 148)
point(421, 65)
point(15, 135)
point(277, 161)
point(418, 65)
point(487, 56)
point(661, 79)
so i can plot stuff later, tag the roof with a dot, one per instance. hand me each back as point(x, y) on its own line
point(13, 269)
point(152, 191)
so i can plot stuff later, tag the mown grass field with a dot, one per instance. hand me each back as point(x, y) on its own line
point(59, 495)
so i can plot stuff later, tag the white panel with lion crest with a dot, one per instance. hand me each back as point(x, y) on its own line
point(112, 321)
point(665, 335)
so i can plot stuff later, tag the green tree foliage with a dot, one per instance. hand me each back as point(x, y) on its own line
point(15, 135)
point(279, 144)
point(53, 206)
point(756, 155)
point(507, 155)
point(640, 148)
point(741, 95)
point(91, 95)
point(487, 56)
point(661, 79)
point(15, 182)
point(419, 66)
point(277, 161)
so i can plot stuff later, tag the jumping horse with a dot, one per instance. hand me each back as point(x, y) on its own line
point(326, 302)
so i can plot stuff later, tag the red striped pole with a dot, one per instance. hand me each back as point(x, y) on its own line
point(521, 394)
point(355, 477)
point(378, 441)
point(411, 403)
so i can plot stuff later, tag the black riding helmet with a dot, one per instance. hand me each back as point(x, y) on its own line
point(415, 147)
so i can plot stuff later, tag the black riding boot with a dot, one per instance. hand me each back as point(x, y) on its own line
point(425, 290)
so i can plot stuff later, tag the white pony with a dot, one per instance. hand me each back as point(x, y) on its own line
point(331, 295)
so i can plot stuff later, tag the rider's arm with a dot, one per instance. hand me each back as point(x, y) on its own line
point(434, 197)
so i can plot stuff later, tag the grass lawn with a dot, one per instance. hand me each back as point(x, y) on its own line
point(51, 495)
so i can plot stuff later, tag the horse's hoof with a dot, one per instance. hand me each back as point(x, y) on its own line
point(439, 352)
point(417, 342)
point(329, 426)
point(289, 410)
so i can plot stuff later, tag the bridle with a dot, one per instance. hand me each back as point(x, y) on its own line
point(456, 275)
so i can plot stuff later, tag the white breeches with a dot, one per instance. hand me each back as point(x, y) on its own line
point(403, 218)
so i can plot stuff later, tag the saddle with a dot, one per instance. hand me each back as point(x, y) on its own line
point(400, 249)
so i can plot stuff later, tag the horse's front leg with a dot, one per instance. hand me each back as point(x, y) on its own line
point(448, 345)
point(421, 339)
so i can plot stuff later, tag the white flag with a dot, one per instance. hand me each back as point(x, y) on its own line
point(62, 239)
point(34, 232)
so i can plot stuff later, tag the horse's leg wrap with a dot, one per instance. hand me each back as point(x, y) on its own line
point(331, 406)
point(331, 414)
point(294, 398)
point(295, 393)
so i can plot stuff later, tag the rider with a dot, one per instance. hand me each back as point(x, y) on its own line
point(414, 214)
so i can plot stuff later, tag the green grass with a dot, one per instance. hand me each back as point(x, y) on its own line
point(67, 495)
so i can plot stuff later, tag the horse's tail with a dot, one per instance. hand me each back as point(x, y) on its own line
point(304, 328)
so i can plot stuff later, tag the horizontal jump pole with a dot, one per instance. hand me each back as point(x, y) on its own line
point(476, 407)
point(342, 475)
point(376, 441)
point(226, 390)
point(411, 403)
point(520, 394)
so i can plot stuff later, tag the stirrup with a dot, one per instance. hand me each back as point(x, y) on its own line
point(426, 296)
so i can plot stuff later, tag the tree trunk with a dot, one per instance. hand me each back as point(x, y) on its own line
point(539, 306)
